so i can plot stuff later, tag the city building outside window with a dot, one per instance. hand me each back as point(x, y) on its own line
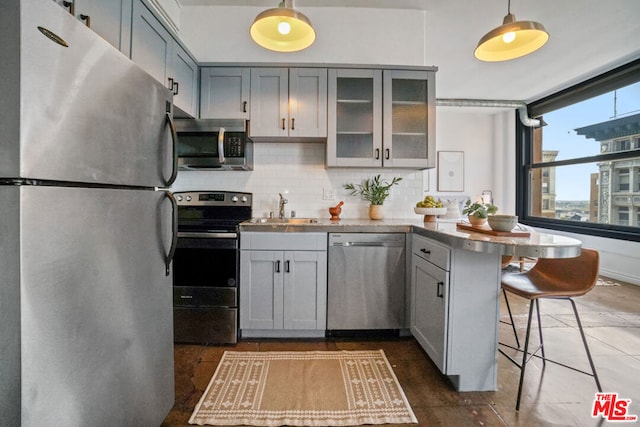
point(580, 170)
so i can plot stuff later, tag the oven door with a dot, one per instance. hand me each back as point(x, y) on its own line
point(205, 294)
point(206, 260)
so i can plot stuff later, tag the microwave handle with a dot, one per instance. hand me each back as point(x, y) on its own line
point(221, 146)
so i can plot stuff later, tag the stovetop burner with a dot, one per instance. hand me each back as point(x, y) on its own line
point(212, 211)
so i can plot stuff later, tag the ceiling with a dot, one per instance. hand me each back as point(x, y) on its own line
point(587, 37)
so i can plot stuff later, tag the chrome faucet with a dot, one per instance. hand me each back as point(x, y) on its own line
point(283, 202)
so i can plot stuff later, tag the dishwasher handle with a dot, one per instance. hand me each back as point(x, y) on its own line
point(366, 244)
point(378, 244)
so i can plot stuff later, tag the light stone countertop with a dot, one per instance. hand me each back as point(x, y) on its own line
point(542, 245)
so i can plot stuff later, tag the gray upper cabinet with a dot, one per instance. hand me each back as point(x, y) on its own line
point(408, 119)
point(156, 51)
point(224, 92)
point(288, 103)
point(381, 118)
point(185, 75)
point(109, 18)
point(354, 118)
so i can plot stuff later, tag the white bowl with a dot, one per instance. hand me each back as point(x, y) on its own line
point(430, 211)
point(502, 222)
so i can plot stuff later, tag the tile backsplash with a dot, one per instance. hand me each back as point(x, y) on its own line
point(297, 170)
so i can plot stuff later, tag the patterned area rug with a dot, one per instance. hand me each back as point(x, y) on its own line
point(314, 388)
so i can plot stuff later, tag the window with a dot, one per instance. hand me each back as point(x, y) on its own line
point(623, 215)
point(622, 145)
point(580, 170)
point(622, 176)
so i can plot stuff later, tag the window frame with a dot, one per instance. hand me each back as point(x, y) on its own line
point(606, 82)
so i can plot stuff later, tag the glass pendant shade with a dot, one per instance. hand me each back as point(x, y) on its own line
point(511, 40)
point(282, 29)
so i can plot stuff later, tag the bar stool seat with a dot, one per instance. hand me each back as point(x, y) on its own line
point(559, 278)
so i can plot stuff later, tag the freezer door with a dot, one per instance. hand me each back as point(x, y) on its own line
point(87, 113)
point(96, 307)
point(9, 306)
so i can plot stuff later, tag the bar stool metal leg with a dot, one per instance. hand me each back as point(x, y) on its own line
point(586, 347)
point(537, 302)
point(525, 355)
point(513, 325)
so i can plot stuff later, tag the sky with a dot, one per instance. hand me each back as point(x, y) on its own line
point(572, 182)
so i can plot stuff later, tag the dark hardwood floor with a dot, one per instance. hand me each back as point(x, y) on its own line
point(552, 396)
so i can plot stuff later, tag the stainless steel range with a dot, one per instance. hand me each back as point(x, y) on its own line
point(206, 267)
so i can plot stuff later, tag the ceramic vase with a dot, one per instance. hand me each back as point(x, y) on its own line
point(375, 212)
point(477, 222)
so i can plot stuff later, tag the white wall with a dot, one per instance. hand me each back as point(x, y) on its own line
point(344, 35)
point(298, 171)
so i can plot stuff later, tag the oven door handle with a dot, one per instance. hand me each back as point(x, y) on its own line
point(205, 235)
point(221, 146)
point(174, 232)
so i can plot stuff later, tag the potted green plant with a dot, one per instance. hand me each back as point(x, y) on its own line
point(376, 191)
point(478, 212)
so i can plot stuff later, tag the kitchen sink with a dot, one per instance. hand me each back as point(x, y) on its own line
point(286, 220)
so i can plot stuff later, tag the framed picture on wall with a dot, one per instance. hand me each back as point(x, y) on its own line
point(450, 170)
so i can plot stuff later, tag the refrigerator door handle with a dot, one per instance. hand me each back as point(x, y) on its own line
point(174, 231)
point(221, 146)
point(174, 147)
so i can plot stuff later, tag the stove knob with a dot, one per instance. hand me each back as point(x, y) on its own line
point(188, 198)
point(234, 199)
point(244, 199)
point(179, 198)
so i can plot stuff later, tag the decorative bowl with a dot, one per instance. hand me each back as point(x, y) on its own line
point(430, 213)
point(502, 222)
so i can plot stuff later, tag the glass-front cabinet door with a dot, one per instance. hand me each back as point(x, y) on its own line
point(381, 118)
point(354, 118)
point(409, 119)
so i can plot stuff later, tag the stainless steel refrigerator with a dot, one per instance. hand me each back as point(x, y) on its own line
point(86, 230)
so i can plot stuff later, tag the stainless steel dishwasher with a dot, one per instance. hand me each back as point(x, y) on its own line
point(366, 289)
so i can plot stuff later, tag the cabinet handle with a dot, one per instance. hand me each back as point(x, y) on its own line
point(283, 124)
point(439, 292)
point(377, 154)
point(387, 153)
point(244, 107)
point(69, 4)
point(425, 251)
point(86, 19)
point(175, 88)
point(170, 85)
point(278, 266)
point(293, 123)
point(286, 266)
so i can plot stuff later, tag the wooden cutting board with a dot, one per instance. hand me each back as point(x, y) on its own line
point(487, 230)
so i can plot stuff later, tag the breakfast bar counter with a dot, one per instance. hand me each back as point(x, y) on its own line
point(537, 245)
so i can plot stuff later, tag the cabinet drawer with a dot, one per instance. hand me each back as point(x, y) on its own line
point(274, 241)
point(434, 252)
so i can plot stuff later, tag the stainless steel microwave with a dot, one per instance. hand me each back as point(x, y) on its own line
point(214, 144)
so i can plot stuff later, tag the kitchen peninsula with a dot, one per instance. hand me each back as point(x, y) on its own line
point(452, 298)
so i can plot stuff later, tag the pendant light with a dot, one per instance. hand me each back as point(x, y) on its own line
point(512, 39)
point(282, 29)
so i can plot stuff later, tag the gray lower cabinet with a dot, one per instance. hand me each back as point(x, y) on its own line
point(454, 311)
point(283, 284)
point(430, 297)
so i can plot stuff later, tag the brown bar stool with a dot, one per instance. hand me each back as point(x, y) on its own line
point(559, 278)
